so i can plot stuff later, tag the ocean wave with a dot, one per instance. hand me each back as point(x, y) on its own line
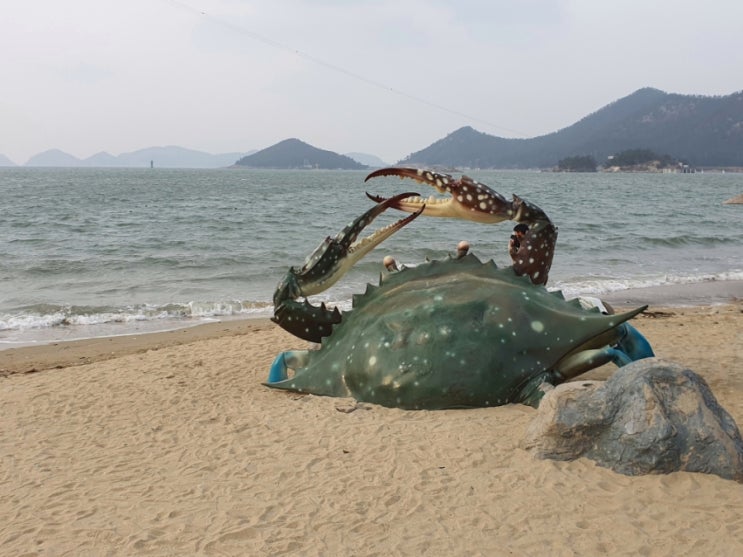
point(52, 316)
point(48, 316)
point(595, 286)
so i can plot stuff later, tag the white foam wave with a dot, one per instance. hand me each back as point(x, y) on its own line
point(84, 322)
point(595, 286)
point(74, 316)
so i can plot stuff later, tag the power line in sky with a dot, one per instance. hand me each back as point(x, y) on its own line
point(333, 67)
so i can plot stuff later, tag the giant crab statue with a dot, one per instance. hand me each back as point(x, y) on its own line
point(444, 334)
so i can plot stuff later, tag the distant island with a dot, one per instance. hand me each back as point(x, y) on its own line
point(296, 154)
point(631, 160)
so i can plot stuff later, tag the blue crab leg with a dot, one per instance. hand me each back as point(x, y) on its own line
point(468, 199)
point(293, 359)
point(332, 259)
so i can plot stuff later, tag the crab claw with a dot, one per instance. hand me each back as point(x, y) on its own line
point(332, 259)
point(468, 199)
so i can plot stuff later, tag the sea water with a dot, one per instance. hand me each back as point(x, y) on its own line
point(91, 252)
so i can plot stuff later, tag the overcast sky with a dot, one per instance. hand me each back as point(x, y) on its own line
point(381, 77)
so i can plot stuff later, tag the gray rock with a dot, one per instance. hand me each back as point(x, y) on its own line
point(651, 417)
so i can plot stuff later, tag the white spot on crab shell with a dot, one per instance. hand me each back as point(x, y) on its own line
point(424, 337)
point(483, 205)
point(387, 380)
point(460, 198)
point(537, 326)
point(372, 361)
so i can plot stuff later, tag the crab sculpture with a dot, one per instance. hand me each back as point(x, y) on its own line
point(444, 334)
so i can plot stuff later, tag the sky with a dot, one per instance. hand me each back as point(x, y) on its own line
point(387, 77)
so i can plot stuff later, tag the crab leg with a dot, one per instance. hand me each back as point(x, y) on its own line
point(468, 199)
point(332, 259)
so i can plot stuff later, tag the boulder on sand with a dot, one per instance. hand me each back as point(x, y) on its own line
point(651, 417)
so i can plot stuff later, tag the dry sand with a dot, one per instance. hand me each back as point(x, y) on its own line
point(167, 444)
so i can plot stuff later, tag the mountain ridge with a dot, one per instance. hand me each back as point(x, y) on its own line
point(170, 156)
point(700, 130)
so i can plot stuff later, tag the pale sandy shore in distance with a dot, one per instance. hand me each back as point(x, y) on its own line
point(168, 444)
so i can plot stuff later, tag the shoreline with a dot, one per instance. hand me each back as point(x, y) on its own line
point(63, 354)
point(711, 291)
point(703, 293)
point(662, 300)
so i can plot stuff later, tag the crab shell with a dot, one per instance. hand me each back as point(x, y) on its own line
point(454, 333)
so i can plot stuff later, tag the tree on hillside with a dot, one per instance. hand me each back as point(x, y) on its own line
point(636, 157)
point(584, 163)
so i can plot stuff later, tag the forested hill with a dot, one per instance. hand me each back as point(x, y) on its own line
point(701, 131)
point(293, 153)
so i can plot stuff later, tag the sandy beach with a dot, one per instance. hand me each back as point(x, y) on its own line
point(168, 444)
